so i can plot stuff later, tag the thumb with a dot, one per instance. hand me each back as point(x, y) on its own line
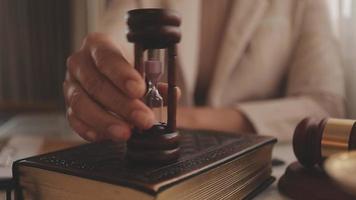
point(163, 90)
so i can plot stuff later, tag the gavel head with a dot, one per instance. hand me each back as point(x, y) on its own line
point(314, 140)
point(307, 141)
point(153, 28)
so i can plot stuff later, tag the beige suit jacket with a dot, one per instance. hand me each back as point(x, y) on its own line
point(278, 61)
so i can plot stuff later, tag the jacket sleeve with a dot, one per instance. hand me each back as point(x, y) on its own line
point(315, 81)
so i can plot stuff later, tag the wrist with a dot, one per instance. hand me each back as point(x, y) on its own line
point(219, 119)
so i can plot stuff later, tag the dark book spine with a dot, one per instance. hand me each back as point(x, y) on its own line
point(16, 182)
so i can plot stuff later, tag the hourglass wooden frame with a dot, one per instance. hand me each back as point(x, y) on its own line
point(156, 29)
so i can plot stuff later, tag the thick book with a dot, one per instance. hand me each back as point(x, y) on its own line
point(211, 166)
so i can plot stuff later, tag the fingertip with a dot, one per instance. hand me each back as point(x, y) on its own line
point(163, 89)
point(178, 91)
point(80, 127)
point(119, 132)
point(91, 136)
point(134, 88)
point(143, 120)
point(126, 133)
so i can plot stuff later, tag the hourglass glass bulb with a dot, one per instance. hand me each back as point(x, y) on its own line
point(153, 71)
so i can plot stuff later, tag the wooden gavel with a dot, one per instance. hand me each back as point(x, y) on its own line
point(315, 140)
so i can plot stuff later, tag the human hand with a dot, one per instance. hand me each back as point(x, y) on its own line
point(102, 92)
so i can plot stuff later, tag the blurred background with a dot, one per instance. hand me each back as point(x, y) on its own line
point(343, 17)
point(35, 39)
point(36, 36)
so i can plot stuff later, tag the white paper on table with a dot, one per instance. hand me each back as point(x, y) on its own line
point(17, 147)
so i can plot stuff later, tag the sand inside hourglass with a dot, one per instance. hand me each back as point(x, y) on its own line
point(153, 99)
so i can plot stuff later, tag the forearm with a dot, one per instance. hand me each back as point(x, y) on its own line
point(219, 119)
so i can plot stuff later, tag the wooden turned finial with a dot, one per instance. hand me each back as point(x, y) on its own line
point(314, 140)
point(151, 30)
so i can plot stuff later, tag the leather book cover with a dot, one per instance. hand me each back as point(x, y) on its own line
point(106, 161)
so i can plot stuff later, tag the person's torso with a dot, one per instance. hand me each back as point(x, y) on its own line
point(232, 50)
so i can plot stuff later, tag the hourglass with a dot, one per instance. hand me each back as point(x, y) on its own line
point(155, 33)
